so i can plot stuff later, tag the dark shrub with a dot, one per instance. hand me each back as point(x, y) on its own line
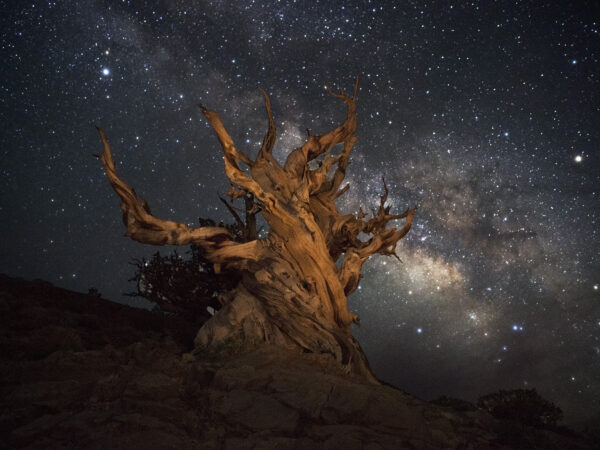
point(522, 405)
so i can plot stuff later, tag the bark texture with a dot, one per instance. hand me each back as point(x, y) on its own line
point(292, 292)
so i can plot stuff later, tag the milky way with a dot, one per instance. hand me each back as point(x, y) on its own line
point(485, 115)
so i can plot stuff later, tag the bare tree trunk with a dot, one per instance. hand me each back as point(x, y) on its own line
point(279, 305)
point(292, 293)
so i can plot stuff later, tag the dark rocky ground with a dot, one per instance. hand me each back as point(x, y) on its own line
point(77, 371)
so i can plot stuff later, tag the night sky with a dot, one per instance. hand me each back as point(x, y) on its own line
point(484, 114)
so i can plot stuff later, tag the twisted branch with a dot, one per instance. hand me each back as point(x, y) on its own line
point(143, 227)
point(232, 156)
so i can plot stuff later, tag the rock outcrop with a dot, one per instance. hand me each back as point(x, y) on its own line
point(81, 372)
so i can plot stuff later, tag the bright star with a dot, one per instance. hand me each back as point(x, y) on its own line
point(106, 71)
point(578, 158)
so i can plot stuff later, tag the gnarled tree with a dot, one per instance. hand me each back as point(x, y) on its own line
point(292, 291)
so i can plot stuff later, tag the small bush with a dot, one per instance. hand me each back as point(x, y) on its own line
point(525, 406)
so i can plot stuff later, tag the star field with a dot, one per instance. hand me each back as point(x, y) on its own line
point(484, 114)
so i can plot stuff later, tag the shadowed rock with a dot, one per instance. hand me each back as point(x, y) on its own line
point(80, 372)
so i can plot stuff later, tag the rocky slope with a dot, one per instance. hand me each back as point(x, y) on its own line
point(81, 372)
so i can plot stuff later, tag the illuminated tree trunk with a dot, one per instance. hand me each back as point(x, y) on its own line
point(292, 293)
